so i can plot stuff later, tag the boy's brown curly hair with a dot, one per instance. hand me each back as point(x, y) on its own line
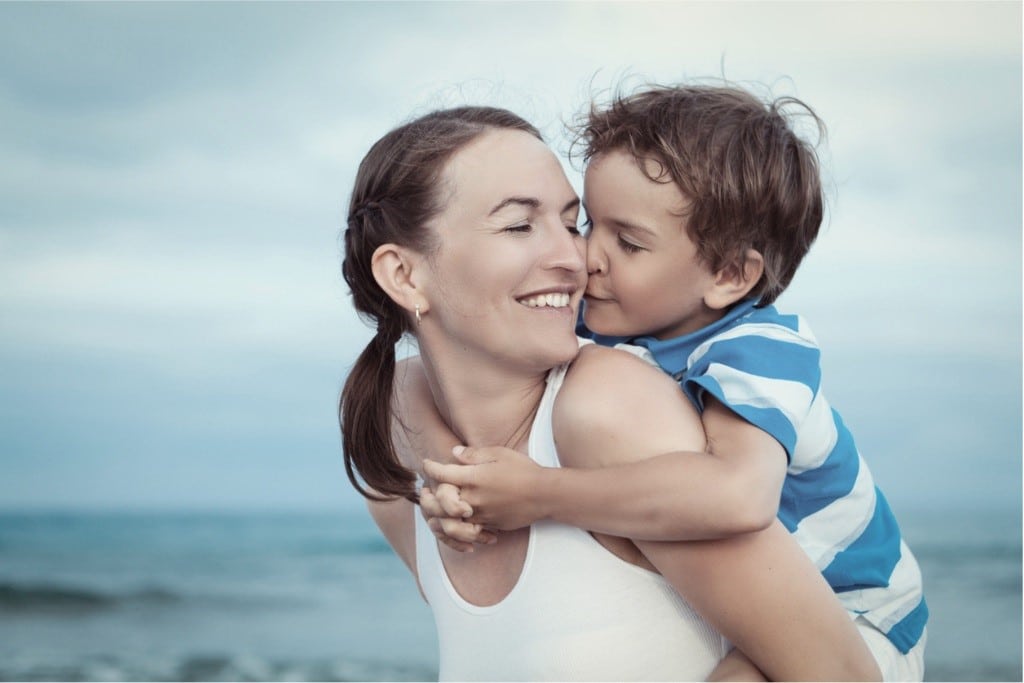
point(752, 182)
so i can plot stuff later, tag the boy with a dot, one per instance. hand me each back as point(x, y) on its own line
point(701, 203)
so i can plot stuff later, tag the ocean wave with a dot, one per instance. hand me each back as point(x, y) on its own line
point(348, 547)
point(56, 597)
point(968, 553)
point(218, 667)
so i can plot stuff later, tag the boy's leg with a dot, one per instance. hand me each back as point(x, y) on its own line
point(895, 665)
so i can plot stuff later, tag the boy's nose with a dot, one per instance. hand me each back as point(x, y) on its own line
point(596, 263)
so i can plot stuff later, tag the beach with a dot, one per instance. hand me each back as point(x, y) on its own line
point(320, 596)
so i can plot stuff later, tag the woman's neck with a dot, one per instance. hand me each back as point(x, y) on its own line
point(483, 403)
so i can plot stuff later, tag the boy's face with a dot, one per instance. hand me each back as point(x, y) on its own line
point(645, 277)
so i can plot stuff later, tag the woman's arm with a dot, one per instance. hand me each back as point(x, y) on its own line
point(759, 589)
point(395, 520)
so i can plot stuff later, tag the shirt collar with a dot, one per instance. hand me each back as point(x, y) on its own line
point(672, 354)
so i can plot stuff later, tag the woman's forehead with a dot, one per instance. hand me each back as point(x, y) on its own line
point(503, 164)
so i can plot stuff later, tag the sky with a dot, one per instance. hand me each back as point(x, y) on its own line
point(174, 330)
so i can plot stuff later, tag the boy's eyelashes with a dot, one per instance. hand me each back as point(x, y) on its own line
point(628, 246)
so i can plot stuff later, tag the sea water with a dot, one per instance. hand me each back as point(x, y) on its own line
point(290, 596)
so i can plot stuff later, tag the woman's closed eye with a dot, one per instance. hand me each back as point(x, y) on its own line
point(527, 228)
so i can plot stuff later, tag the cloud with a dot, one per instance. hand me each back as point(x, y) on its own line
point(175, 178)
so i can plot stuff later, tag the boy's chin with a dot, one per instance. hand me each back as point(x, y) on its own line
point(601, 325)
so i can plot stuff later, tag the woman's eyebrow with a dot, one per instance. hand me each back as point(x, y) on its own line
point(531, 202)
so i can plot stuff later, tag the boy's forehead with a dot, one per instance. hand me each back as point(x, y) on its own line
point(654, 168)
point(624, 176)
point(649, 166)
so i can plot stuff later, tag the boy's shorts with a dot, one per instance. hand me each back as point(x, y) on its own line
point(895, 665)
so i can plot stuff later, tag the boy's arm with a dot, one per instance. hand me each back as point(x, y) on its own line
point(760, 590)
point(733, 487)
point(736, 666)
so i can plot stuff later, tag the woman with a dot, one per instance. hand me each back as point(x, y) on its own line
point(462, 232)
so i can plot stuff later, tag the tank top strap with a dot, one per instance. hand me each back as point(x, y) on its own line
point(541, 445)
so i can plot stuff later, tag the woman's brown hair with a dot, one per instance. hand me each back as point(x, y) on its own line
point(397, 191)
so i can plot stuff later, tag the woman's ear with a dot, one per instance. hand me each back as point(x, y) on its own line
point(735, 280)
point(399, 272)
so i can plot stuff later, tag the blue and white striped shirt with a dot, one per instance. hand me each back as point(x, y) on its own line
point(765, 366)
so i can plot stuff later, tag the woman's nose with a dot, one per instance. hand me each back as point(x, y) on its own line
point(568, 251)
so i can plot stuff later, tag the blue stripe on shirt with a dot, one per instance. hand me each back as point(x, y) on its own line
point(907, 631)
point(868, 562)
point(811, 491)
point(771, 420)
point(765, 357)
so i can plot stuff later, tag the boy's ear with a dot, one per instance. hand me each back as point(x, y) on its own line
point(399, 272)
point(735, 280)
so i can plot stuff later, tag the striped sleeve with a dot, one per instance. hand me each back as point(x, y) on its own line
point(766, 373)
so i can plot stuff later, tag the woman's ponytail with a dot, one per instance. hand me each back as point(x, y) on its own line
point(366, 414)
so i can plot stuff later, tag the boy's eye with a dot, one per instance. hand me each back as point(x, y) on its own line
point(629, 247)
point(585, 227)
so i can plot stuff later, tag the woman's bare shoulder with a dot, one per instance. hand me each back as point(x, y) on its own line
point(615, 407)
point(602, 379)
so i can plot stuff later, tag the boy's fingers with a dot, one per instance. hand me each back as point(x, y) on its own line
point(471, 456)
point(429, 505)
point(457, 545)
point(464, 455)
point(451, 474)
point(459, 530)
point(448, 496)
point(454, 529)
point(461, 546)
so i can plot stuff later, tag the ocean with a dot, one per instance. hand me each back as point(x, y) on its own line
point(320, 596)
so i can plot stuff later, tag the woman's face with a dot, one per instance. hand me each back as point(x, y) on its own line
point(510, 268)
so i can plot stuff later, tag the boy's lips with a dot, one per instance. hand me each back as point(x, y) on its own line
point(588, 297)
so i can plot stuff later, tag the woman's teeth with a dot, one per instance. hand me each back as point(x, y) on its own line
point(541, 300)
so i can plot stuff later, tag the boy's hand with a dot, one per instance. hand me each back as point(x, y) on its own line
point(445, 513)
point(448, 502)
point(736, 666)
point(496, 482)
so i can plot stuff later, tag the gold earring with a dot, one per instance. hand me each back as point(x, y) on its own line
point(419, 320)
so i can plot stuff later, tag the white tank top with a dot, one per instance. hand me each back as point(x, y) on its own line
point(577, 612)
